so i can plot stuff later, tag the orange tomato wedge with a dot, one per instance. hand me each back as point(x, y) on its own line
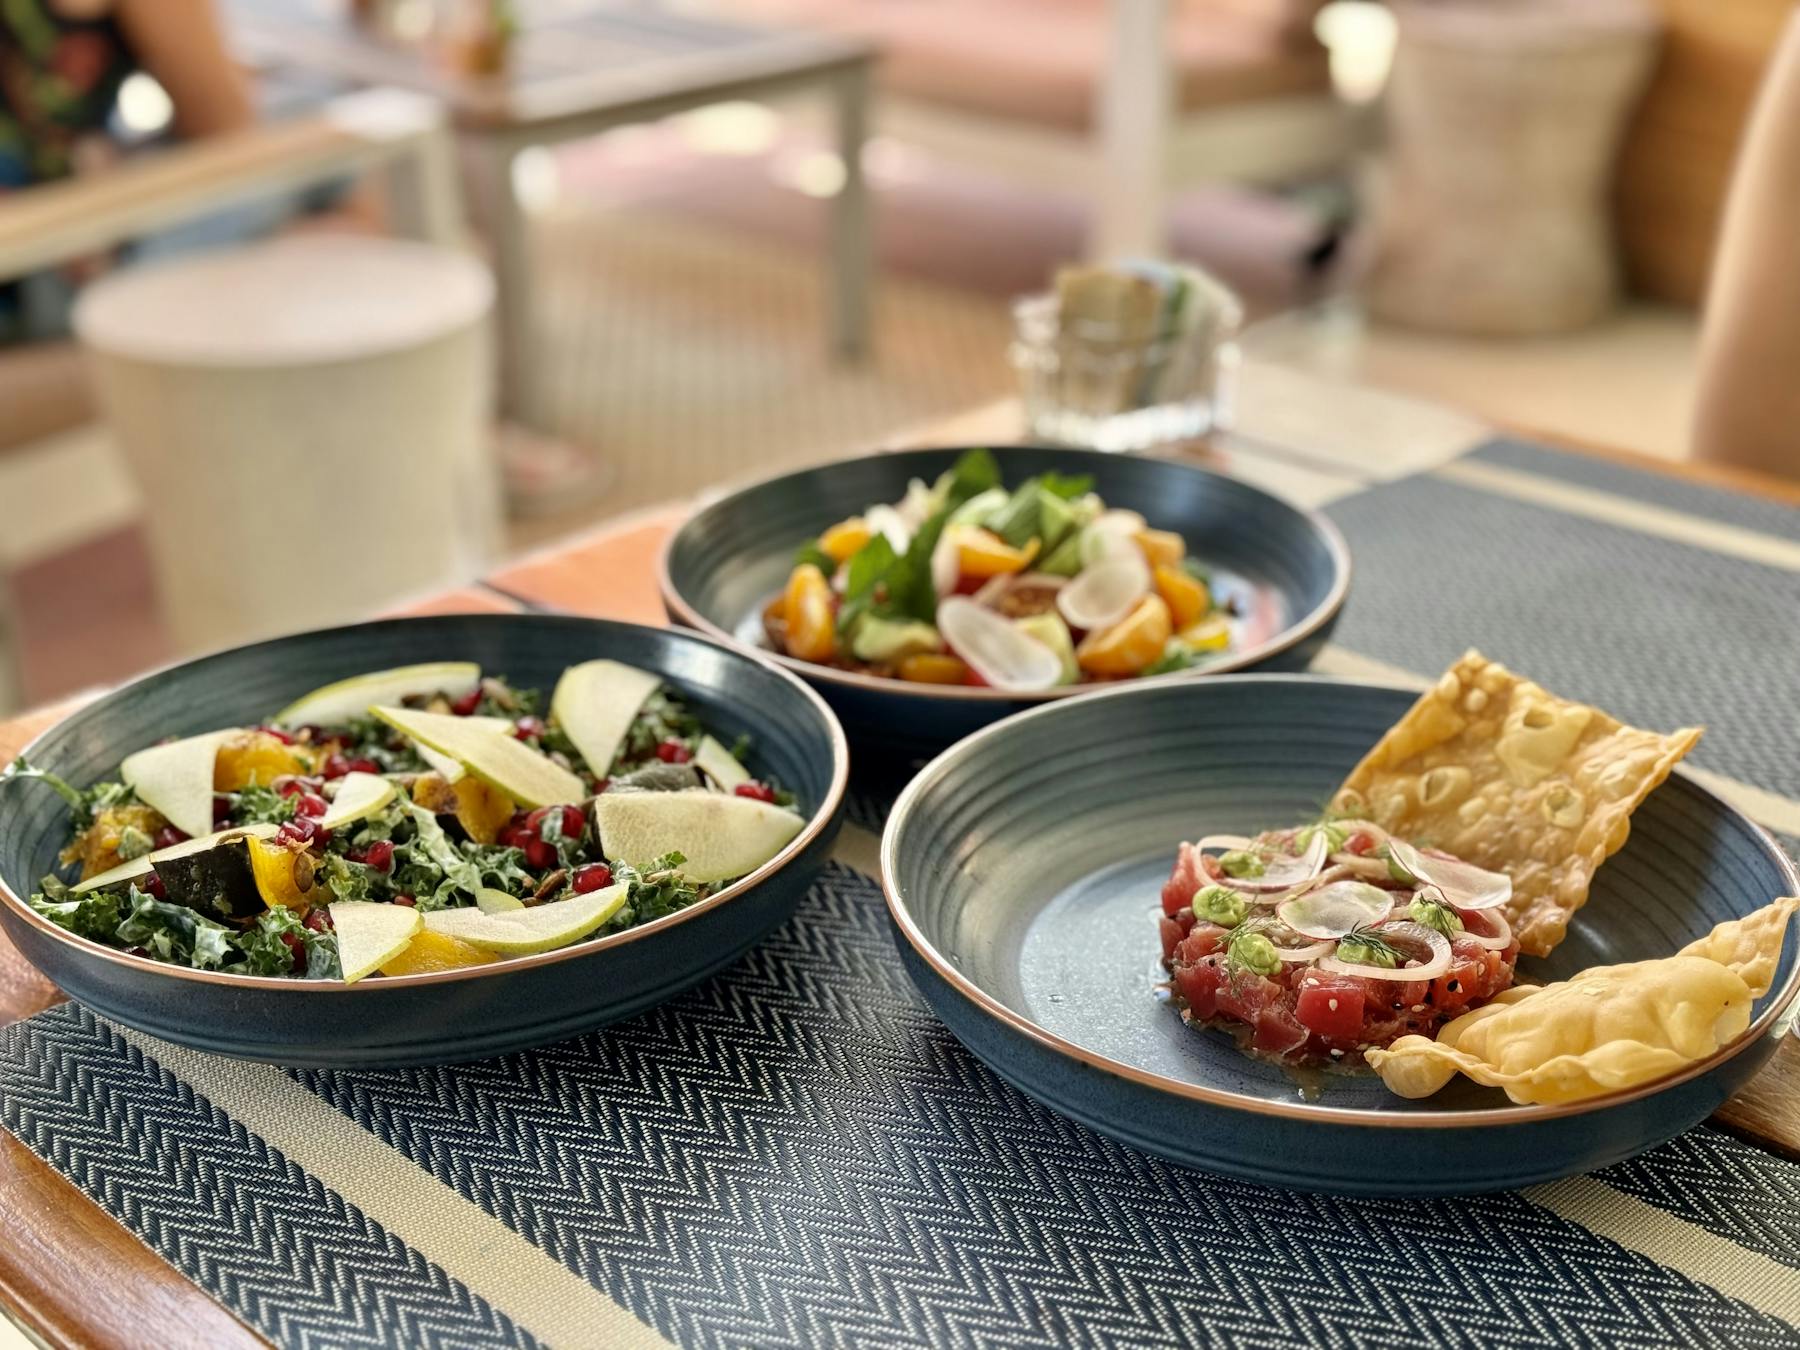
point(983, 554)
point(811, 622)
point(1209, 635)
point(1130, 644)
point(845, 539)
point(933, 668)
point(1184, 594)
point(1162, 548)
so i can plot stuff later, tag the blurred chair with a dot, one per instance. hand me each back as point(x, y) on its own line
point(1131, 99)
point(44, 387)
point(1747, 409)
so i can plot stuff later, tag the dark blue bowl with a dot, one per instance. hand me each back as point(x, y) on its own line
point(731, 556)
point(456, 1015)
point(1023, 870)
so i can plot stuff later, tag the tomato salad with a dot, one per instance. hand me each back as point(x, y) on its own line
point(1316, 944)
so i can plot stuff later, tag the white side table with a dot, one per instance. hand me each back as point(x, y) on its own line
point(308, 422)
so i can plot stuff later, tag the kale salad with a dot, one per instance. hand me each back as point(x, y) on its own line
point(429, 818)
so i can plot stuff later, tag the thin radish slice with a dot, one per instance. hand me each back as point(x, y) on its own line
point(998, 650)
point(1281, 872)
point(1110, 534)
point(993, 588)
point(885, 520)
point(946, 563)
point(1331, 911)
point(1464, 885)
point(1408, 937)
point(1500, 936)
point(1105, 593)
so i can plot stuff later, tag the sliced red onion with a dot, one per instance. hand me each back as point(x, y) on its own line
point(1331, 911)
point(1106, 592)
point(1412, 933)
point(1464, 885)
point(1499, 940)
point(1281, 872)
point(1000, 653)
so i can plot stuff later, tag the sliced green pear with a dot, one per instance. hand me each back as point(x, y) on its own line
point(721, 836)
point(142, 867)
point(525, 775)
point(370, 935)
point(359, 795)
point(177, 779)
point(451, 769)
point(719, 764)
point(336, 704)
point(595, 704)
point(492, 900)
point(522, 931)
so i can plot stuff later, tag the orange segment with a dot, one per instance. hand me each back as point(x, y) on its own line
point(1162, 547)
point(1184, 594)
point(811, 623)
point(933, 668)
point(430, 951)
point(845, 539)
point(1130, 644)
point(983, 554)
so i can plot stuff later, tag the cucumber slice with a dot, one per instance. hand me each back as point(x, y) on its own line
point(720, 765)
point(177, 779)
point(142, 867)
point(721, 836)
point(595, 703)
point(335, 704)
point(359, 795)
point(521, 932)
point(528, 777)
point(370, 935)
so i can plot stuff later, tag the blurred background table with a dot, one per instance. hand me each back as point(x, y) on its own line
point(577, 68)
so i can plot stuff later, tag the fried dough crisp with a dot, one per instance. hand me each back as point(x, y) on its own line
point(1608, 1027)
point(1494, 769)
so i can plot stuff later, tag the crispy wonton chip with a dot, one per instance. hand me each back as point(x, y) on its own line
point(1610, 1027)
point(1492, 768)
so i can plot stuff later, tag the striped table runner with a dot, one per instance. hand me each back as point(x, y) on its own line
point(797, 1152)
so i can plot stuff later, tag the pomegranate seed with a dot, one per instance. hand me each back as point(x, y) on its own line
point(167, 837)
point(591, 878)
point(311, 804)
point(512, 836)
point(760, 792)
point(336, 766)
point(289, 787)
point(221, 808)
point(137, 951)
point(601, 785)
point(380, 855)
point(406, 900)
point(673, 752)
point(154, 885)
point(539, 855)
point(318, 919)
point(466, 705)
point(278, 734)
point(297, 945)
point(528, 728)
point(571, 820)
point(361, 765)
point(302, 830)
point(1359, 843)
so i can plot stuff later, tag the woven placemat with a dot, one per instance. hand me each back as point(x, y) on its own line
point(798, 1153)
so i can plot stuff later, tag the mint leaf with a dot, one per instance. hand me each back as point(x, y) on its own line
point(973, 473)
point(1067, 486)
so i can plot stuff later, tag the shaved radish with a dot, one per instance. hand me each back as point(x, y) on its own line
point(1105, 593)
point(1110, 534)
point(1282, 872)
point(886, 521)
point(1404, 936)
point(1464, 885)
point(1499, 939)
point(946, 560)
point(1331, 911)
point(1225, 843)
point(996, 649)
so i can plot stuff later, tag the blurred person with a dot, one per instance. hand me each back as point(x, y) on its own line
point(62, 64)
point(1748, 409)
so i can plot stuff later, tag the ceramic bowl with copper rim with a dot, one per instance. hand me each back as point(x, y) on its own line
point(1286, 568)
point(1023, 870)
point(452, 1015)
